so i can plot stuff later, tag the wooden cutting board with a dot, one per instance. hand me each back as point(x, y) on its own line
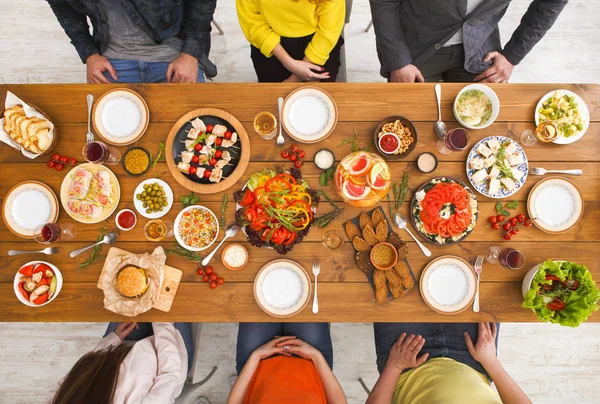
point(168, 289)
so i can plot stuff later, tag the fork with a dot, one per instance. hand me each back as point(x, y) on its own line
point(543, 171)
point(316, 270)
point(280, 140)
point(478, 269)
point(89, 137)
point(47, 251)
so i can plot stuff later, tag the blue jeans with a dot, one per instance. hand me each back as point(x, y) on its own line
point(445, 340)
point(145, 330)
point(135, 71)
point(253, 335)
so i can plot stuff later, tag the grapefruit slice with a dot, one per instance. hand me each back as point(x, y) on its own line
point(378, 177)
point(359, 165)
point(339, 180)
point(355, 192)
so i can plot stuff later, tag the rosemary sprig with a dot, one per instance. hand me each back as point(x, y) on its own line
point(355, 146)
point(324, 195)
point(95, 255)
point(161, 150)
point(325, 219)
point(189, 200)
point(223, 210)
point(398, 192)
point(326, 176)
point(179, 250)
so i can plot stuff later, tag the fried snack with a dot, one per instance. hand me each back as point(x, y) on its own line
point(360, 244)
point(402, 250)
point(381, 231)
point(31, 133)
point(403, 133)
point(369, 236)
point(363, 262)
point(365, 221)
point(377, 217)
point(401, 269)
point(394, 240)
point(351, 230)
point(381, 290)
point(394, 282)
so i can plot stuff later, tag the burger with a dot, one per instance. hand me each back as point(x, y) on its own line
point(132, 281)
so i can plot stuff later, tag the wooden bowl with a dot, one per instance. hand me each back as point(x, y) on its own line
point(226, 265)
point(404, 122)
point(393, 262)
point(55, 136)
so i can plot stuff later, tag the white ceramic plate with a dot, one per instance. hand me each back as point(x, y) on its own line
point(28, 205)
point(491, 95)
point(18, 276)
point(282, 288)
point(555, 204)
point(121, 116)
point(309, 114)
point(139, 205)
point(448, 284)
point(583, 111)
point(178, 221)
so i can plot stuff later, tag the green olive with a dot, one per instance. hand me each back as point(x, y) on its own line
point(165, 203)
point(148, 211)
point(138, 197)
point(159, 193)
point(144, 194)
point(145, 205)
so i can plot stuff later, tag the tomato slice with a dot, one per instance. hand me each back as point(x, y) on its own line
point(291, 238)
point(250, 213)
point(442, 229)
point(248, 198)
point(556, 304)
point(461, 222)
point(461, 198)
point(26, 271)
point(259, 223)
point(453, 227)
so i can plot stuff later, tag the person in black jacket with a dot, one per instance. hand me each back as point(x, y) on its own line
point(137, 41)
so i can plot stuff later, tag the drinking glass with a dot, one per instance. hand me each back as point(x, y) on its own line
point(101, 153)
point(509, 258)
point(157, 230)
point(265, 124)
point(332, 240)
point(53, 232)
point(456, 139)
point(528, 138)
point(511, 135)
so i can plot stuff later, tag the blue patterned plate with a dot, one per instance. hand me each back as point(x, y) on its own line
point(483, 187)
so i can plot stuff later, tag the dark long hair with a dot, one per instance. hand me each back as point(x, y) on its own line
point(94, 377)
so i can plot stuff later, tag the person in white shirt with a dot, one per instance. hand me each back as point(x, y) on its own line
point(133, 363)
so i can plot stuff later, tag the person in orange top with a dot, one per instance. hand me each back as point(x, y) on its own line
point(275, 363)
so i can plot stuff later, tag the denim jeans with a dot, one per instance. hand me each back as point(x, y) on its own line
point(444, 340)
point(145, 330)
point(253, 335)
point(135, 71)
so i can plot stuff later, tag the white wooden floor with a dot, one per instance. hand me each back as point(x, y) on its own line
point(552, 364)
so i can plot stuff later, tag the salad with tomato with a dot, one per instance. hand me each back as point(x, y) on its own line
point(37, 283)
point(562, 292)
point(275, 209)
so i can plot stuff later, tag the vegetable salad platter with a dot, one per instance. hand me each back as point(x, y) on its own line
point(207, 150)
point(90, 193)
point(497, 167)
point(275, 209)
point(568, 111)
point(444, 211)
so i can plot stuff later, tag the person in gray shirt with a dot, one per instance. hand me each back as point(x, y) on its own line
point(454, 40)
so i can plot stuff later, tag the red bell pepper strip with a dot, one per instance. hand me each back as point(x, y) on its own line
point(23, 291)
point(42, 299)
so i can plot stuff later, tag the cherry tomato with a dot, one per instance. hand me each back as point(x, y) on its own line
point(507, 226)
point(218, 154)
point(507, 237)
point(193, 170)
point(496, 226)
point(298, 163)
point(212, 277)
point(220, 281)
point(207, 173)
point(50, 164)
point(521, 218)
point(493, 219)
point(209, 128)
point(556, 305)
point(219, 141)
point(72, 162)
point(294, 148)
point(205, 279)
point(195, 159)
point(208, 270)
point(59, 166)
point(56, 157)
point(199, 271)
point(293, 157)
point(63, 159)
point(513, 221)
point(500, 218)
point(212, 161)
point(285, 153)
point(514, 231)
point(528, 223)
point(198, 147)
point(227, 135)
point(213, 285)
point(301, 154)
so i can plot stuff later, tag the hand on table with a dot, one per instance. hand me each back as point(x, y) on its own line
point(272, 347)
point(499, 72)
point(484, 351)
point(403, 354)
point(306, 71)
point(407, 74)
point(96, 64)
point(301, 348)
point(124, 329)
point(184, 69)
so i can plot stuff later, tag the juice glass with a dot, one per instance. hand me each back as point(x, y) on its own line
point(265, 124)
point(157, 230)
point(362, 179)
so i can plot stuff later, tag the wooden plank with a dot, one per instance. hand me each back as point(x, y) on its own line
point(72, 140)
point(356, 101)
point(336, 266)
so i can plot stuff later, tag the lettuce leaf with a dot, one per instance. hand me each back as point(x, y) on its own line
point(254, 178)
point(579, 304)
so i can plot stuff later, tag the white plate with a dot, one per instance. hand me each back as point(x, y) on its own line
point(583, 111)
point(483, 187)
point(491, 95)
point(139, 205)
point(309, 114)
point(18, 276)
point(282, 288)
point(448, 284)
point(178, 220)
point(27, 206)
point(555, 204)
point(121, 116)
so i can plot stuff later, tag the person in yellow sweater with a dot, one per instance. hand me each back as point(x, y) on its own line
point(293, 40)
point(441, 365)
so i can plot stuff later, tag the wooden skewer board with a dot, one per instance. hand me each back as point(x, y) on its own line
point(168, 289)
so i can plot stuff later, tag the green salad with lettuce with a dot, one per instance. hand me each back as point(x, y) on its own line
point(562, 293)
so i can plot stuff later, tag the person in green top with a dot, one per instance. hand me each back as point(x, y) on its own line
point(431, 363)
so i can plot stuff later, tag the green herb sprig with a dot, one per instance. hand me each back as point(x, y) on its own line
point(325, 219)
point(161, 151)
point(189, 200)
point(95, 254)
point(501, 210)
point(326, 176)
point(179, 250)
point(398, 192)
point(355, 145)
point(223, 220)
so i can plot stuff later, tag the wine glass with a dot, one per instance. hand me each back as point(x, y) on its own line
point(101, 153)
point(509, 258)
point(511, 135)
point(53, 232)
point(456, 139)
point(528, 138)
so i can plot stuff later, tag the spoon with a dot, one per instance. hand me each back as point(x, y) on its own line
point(400, 222)
point(439, 127)
point(108, 239)
point(231, 230)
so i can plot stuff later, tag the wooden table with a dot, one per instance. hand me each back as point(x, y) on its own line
point(344, 294)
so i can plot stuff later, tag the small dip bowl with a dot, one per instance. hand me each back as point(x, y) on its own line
point(118, 215)
point(324, 153)
point(124, 157)
point(425, 160)
point(384, 256)
point(384, 138)
point(227, 264)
